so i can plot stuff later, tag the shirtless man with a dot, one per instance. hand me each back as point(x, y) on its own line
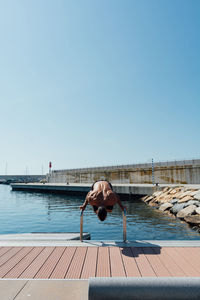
point(102, 198)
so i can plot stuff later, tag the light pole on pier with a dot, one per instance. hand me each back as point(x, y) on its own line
point(153, 172)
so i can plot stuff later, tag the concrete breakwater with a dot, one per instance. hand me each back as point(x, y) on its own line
point(7, 179)
point(174, 172)
point(84, 188)
point(180, 201)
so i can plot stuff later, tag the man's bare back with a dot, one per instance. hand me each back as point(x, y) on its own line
point(102, 195)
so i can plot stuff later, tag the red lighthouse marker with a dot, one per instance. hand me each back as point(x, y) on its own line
point(50, 165)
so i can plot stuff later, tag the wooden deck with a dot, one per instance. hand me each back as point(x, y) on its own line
point(84, 262)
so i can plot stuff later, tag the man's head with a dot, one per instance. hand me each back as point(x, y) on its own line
point(102, 213)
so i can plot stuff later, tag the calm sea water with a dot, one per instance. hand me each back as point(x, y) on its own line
point(23, 212)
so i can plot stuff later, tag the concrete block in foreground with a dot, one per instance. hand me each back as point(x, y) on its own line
point(146, 288)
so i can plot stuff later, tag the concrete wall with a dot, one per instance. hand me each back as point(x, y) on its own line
point(180, 172)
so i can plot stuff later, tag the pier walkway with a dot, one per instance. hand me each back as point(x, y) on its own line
point(43, 267)
point(84, 188)
point(89, 260)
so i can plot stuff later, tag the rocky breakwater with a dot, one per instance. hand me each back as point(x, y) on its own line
point(180, 202)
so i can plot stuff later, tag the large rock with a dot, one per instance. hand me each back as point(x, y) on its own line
point(185, 199)
point(156, 194)
point(177, 195)
point(152, 203)
point(193, 193)
point(192, 202)
point(193, 219)
point(184, 194)
point(165, 199)
point(159, 200)
point(174, 191)
point(197, 196)
point(144, 198)
point(149, 198)
point(166, 189)
point(189, 210)
point(165, 206)
point(164, 195)
point(198, 210)
point(173, 201)
point(177, 207)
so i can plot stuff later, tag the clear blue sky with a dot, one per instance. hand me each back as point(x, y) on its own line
point(92, 83)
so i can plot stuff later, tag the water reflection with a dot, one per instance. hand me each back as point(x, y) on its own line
point(36, 212)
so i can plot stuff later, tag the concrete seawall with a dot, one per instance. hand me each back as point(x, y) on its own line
point(174, 172)
point(83, 189)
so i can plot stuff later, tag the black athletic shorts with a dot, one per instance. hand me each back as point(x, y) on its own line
point(102, 180)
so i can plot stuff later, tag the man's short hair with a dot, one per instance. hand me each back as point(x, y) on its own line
point(102, 213)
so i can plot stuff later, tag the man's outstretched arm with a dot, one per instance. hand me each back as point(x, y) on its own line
point(85, 203)
point(119, 203)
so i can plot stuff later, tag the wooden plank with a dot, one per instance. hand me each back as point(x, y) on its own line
point(103, 262)
point(49, 265)
point(75, 268)
point(35, 266)
point(142, 262)
point(130, 265)
point(63, 265)
point(90, 264)
point(169, 263)
point(24, 263)
point(156, 264)
point(8, 255)
point(191, 254)
point(116, 263)
point(14, 260)
point(4, 250)
point(182, 262)
point(195, 249)
point(72, 262)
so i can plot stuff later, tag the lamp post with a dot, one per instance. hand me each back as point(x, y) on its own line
point(153, 172)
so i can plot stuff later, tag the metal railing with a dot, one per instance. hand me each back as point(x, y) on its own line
point(81, 227)
point(124, 225)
